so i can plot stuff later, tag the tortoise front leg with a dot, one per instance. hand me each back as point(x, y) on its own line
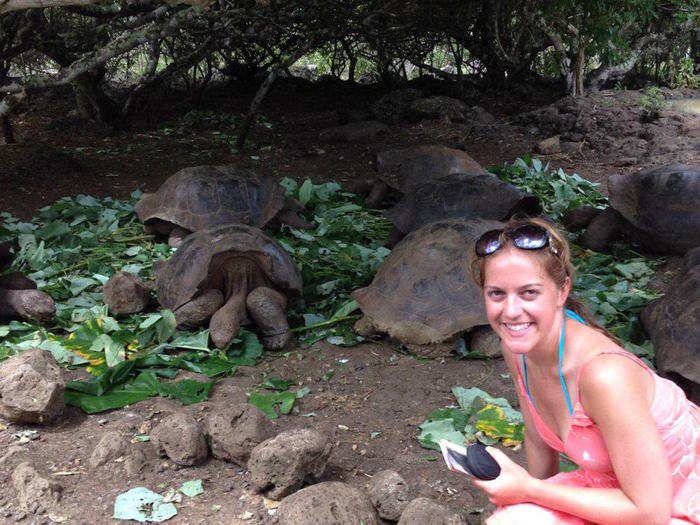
point(267, 308)
point(177, 235)
point(225, 322)
point(195, 312)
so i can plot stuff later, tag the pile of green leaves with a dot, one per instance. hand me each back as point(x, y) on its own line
point(341, 253)
point(615, 289)
point(73, 246)
point(478, 416)
point(558, 192)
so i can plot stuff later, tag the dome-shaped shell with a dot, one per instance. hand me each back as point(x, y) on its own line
point(461, 196)
point(179, 279)
point(209, 196)
point(404, 168)
point(663, 203)
point(423, 292)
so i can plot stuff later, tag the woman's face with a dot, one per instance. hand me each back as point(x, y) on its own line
point(522, 301)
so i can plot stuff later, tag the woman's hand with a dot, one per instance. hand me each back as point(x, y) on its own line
point(511, 486)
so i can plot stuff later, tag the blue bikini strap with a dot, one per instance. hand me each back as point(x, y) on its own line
point(572, 315)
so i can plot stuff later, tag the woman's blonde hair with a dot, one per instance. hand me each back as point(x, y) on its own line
point(557, 265)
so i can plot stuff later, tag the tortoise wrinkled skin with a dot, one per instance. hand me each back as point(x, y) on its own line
point(662, 203)
point(186, 273)
point(461, 196)
point(423, 292)
point(208, 196)
point(402, 169)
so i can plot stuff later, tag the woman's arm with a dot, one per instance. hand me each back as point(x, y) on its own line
point(542, 460)
point(614, 394)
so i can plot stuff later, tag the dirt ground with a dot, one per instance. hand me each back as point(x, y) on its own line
point(378, 394)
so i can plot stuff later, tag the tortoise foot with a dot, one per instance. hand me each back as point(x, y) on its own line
point(267, 308)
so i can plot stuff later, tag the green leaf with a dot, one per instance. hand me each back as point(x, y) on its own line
point(192, 488)
point(346, 309)
point(186, 391)
point(267, 401)
point(305, 192)
point(433, 431)
point(192, 341)
point(141, 387)
point(114, 352)
point(276, 383)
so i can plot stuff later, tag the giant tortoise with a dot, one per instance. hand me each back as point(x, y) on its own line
point(209, 196)
point(226, 273)
point(672, 323)
point(659, 208)
point(460, 196)
point(423, 292)
point(402, 169)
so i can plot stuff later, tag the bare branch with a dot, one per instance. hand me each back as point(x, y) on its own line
point(123, 43)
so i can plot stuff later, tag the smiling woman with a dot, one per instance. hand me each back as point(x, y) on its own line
point(633, 434)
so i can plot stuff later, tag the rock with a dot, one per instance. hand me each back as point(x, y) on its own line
point(234, 431)
point(485, 341)
point(328, 503)
point(111, 446)
point(606, 228)
point(33, 488)
point(134, 462)
point(571, 148)
point(580, 218)
point(353, 132)
point(280, 465)
point(425, 510)
point(549, 146)
point(180, 437)
point(478, 116)
point(389, 494)
point(395, 105)
point(125, 294)
point(31, 388)
point(439, 107)
point(226, 393)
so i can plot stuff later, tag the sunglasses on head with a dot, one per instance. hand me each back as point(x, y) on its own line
point(525, 237)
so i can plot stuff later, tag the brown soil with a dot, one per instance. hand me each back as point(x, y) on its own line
point(378, 392)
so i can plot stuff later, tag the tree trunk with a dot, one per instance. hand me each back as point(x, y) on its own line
point(91, 100)
point(260, 95)
point(577, 88)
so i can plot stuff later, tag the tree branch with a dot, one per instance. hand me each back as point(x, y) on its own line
point(123, 43)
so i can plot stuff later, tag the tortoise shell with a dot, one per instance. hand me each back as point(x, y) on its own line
point(461, 196)
point(423, 292)
point(208, 196)
point(663, 203)
point(179, 279)
point(404, 168)
point(672, 322)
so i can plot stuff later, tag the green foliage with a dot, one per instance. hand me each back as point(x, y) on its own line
point(338, 255)
point(557, 191)
point(479, 416)
point(652, 102)
point(615, 290)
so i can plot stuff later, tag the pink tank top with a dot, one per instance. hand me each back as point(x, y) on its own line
point(678, 422)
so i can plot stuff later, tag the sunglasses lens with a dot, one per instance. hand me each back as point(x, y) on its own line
point(488, 243)
point(529, 237)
